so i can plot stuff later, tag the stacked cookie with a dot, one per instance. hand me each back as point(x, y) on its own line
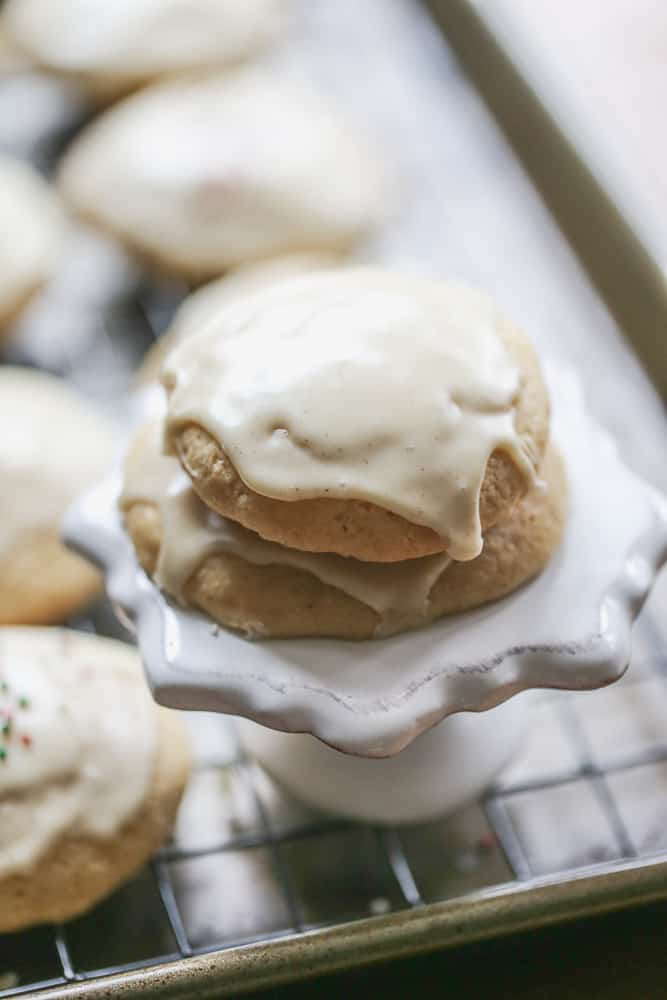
point(349, 454)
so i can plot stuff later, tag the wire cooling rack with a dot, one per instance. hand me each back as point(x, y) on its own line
point(249, 867)
point(247, 864)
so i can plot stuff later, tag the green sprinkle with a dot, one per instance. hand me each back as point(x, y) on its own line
point(24, 702)
point(7, 727)
point(4, 687)
point(3, 753)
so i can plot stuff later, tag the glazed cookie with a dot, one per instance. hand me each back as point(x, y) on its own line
point(110, 48)
point(209, 299)
point(374, 415)
point(91, 772)
point(201, 174)
point(52, 447)
point(31, 236)
point(263, 589)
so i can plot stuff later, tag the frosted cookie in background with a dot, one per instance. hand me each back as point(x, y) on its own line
point(32, 232)
point(203, 174)
point(215, 295)
point(91, 772)
point(111, 48)
point(53, 446)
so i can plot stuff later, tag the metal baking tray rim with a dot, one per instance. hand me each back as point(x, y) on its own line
point(492, 912)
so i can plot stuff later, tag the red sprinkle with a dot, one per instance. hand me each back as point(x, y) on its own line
point(26, 740)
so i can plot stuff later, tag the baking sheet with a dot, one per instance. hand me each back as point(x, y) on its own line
point(535, 64)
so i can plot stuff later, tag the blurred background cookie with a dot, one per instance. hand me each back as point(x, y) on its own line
point(31, 236)
point(53, 445)
point(91, 772)
point(113, 47)
point(199, 175)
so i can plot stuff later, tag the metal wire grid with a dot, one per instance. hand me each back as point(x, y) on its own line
point(397, 853)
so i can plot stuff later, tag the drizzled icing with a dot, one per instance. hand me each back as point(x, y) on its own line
point(52, 447)
point(209, 299)
point(358, 384)
point(77, 740)
point(397, 592)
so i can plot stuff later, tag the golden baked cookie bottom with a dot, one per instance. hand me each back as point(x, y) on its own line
point(77, 871)
point(42, 582)
point(356, 528)
point(281, 601)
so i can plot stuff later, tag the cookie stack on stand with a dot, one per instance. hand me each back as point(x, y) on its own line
point(348, 454)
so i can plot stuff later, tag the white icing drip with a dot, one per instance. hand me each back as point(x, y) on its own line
point(358, 384)
point(79, 740)
point(53, 446)
point(397, 592)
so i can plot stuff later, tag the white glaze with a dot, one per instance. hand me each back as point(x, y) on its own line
point(568, 628)
point(31, 233)
point(52, 446)
point(78, 740)
point(138, 39)
point(212, 172)
point(358, 384)
point(207, 301)
point(397, 592)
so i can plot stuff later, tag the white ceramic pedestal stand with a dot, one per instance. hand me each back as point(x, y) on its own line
point(437, 773)
point(569, 628)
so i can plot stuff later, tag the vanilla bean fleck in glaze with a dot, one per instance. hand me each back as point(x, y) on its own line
point(359, 385)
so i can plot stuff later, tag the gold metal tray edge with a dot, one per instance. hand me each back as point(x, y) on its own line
point(617, 246)
point(491, 913)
